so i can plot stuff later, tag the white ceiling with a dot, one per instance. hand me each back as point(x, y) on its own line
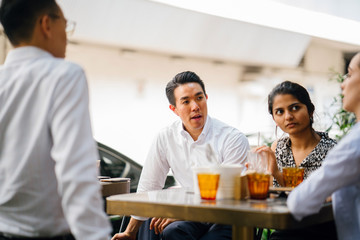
point(309, 17)
point(348, 9)
point(153, 26)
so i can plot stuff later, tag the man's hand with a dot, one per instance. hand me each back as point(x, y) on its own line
point(123, 236)
point(159, 224)
point(130, 232)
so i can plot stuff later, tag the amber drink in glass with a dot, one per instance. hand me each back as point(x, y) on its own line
point(293, 176)
point(208, 185)
point(258, 184)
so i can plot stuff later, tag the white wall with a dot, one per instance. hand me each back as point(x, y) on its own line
point(129, 106)
point(127, 90)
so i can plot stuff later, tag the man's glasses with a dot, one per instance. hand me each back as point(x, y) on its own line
point(70, 25)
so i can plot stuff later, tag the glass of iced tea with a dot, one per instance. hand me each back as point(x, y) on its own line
point(293, 176)
point(208, 185)
point(258, 184)
point(258, 177)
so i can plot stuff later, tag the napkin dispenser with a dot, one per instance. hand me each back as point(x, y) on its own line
point(241, 189)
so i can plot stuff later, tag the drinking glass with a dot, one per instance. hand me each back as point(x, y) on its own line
point(258, 184)
point(258, 176)
point(208, 185)
point(293, 176)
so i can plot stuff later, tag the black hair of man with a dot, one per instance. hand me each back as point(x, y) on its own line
point(18, 17)
point(179, 79)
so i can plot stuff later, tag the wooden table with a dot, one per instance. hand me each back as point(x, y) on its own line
point(243, 215)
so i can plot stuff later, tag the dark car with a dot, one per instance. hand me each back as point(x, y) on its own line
point(114, 164)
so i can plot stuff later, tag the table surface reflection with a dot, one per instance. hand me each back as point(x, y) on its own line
point(183, 204)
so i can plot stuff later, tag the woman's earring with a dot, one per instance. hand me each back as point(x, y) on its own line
point(311, 120)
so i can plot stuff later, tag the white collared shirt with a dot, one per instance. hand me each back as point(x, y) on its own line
point(174, 149)
point(340, 176)
point(48, 174)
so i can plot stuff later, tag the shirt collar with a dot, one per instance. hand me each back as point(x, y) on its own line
point(24, 53)
point(203, 133)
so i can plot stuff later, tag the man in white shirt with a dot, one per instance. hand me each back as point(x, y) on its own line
point(180, 147)
point(340, 172)
point(48, 175)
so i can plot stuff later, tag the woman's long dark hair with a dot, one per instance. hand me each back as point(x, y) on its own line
point(296, 90)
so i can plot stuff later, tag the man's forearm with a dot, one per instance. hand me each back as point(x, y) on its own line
point(133, 226)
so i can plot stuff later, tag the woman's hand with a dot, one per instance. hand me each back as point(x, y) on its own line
point(159, 224)
point(272, 167)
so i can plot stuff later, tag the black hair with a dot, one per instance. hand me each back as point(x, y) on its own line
point(294, 89)
point(18, 17)
point(179, 79)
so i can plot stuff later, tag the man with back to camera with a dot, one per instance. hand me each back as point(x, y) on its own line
point(339, 176)
point(48, 175)
point(180, 147)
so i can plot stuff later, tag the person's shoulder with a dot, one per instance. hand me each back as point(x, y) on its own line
point(326, 139)
point(59, 68)
point(283, 142)
point(229, 132)
point(67, 67)
point(355, 130)
point(171, 129)
point(283, 139)
point(274, 145)
point(217, 124)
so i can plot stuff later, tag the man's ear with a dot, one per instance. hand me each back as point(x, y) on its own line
point(45, 26)
point(206, 96)
point(173, 108)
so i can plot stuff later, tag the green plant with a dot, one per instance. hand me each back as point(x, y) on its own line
point(342, 121)
point(267, 140)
